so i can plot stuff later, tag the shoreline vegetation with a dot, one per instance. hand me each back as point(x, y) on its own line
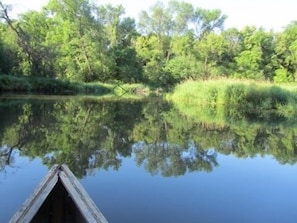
point(264, 95)
point(77, 47)
point(189, 97)
point(36, 85)
point(215, 100)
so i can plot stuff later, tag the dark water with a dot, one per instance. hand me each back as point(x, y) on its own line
point(143, 161)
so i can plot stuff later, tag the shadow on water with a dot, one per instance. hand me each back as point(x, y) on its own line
point(88, 133)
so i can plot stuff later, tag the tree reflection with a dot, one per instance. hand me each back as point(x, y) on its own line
point(98, 133)
point(6, 157)
point(83, 134)
point(173, 160)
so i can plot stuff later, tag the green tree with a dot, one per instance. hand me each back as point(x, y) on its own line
point(121, 34)
point(161, 25)
point(254, 60)
point(36, 25)
point(206, 21)
point(172, 28)
point(233, 46)
point(152, 57)
point(210, 51)
point(166, 20)
point(77, 35)
point(33, 54)
point(286, 54)
point(9, 56)
point(157, 21)
point(111, 18)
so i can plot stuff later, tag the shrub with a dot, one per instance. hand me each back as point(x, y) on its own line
point(13, 83)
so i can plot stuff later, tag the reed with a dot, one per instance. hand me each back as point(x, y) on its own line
point(233, 92)
point(227, 97)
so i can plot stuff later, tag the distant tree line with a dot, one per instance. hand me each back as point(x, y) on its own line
point(76, 40)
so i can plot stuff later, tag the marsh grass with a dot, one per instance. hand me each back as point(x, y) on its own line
point(248, 94)
point(229, 100)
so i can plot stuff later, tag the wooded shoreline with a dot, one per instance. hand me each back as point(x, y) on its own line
point(76, 41)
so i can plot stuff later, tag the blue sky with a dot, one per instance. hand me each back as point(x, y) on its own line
point(270, 14)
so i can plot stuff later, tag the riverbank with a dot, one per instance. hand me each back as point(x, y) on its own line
point(50, 86)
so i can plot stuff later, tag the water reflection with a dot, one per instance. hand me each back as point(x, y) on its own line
point(173, 160)
point(5, 157)
point(88, 133)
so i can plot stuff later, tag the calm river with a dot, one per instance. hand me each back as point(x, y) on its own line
point(143, 160)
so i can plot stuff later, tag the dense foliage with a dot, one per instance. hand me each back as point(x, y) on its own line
point(75, 40)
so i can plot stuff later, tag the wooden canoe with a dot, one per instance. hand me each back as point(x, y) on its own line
point(59, 198)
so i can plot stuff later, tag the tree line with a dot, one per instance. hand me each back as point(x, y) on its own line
point(76, 40)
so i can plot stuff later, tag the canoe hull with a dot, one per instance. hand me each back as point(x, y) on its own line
point(59, 198)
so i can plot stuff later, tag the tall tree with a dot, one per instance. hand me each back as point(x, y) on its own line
point(9, 51)
point(37, 25)
point(156, 21)
point(206, 21)
point(254, 61)
point(183, 62)
point(121, 32)
point(32, 51)
point(152, 57)
point(160, 25)
point(233, 46)
point(110, 17)
point(286, 54)
point(210, 50)
point(78, 36)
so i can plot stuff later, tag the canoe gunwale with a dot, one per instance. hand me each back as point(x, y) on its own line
point(80, 197)
point(34, 202)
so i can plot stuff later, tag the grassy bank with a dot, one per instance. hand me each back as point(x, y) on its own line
point(15, 84)
point(217, 100)
point(249, 94)
point(10, 83)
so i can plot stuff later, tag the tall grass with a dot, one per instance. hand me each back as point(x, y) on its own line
point(232, 92)
point(239, 99)
point(10, 83)
point(191, 92)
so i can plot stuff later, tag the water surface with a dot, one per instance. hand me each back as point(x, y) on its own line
point(144, 161)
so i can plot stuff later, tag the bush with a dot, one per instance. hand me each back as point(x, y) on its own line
point(13, 83)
